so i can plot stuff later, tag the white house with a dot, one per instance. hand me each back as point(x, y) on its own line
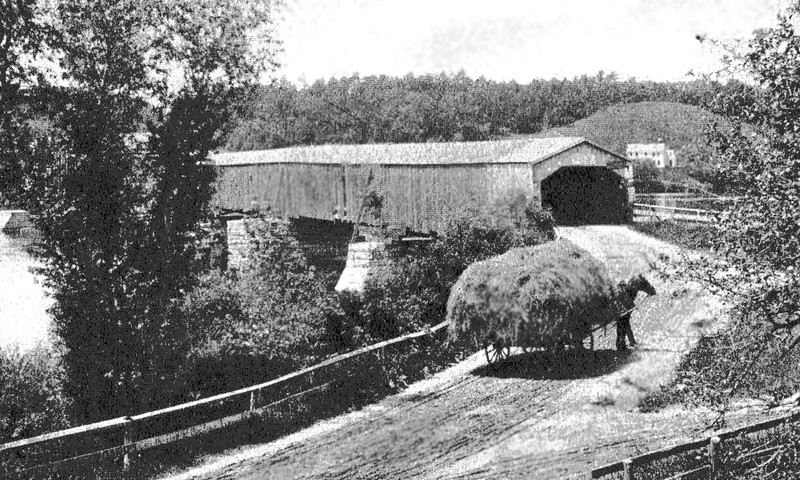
point(658, 153)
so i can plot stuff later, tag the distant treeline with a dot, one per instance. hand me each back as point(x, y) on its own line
point(443, 107)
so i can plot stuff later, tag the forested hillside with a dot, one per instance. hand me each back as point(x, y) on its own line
point(682, 127)
point(678, 125)
point(443, 107)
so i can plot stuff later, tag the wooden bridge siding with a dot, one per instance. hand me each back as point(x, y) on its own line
point(309, 190)
point(424, 198)
point(421, 197)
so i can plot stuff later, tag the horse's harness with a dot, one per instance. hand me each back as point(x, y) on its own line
point(626, 312)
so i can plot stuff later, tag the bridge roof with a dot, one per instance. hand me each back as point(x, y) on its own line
point(529, 150)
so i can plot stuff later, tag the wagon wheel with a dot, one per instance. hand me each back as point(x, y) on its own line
point(495, 349)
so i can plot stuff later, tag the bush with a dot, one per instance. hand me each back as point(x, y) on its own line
point(687, 235)
point(774, 454)
point(259, 322)
point(410, 291)
point(541, 293)
point(744, 361)
point(32, 399)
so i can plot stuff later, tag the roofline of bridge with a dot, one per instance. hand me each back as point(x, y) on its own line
point(433, 164)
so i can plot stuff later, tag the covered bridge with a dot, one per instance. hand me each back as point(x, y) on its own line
point(418, 186)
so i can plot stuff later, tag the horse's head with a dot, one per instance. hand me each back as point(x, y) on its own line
point(637, 284)
point(641, 284)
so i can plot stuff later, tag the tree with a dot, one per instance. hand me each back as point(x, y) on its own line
point(759, 237)
point(261, 320)
point(21, 38)
point(125, 183)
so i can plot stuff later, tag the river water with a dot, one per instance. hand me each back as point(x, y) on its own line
point(24, 320)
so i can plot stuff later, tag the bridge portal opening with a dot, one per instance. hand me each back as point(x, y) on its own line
point(586, 195)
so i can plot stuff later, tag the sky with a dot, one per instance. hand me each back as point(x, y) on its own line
point(511, 39)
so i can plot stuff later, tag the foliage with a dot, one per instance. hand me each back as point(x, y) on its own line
point(32, 400)
point(122, 184)
point(687, 235)
point(758, 252)
point(712, 370)
point(22, 38)
point(774, 455)
point(410, 290)
point(23, 35)
point(539, 294)
point(443, 107)
point(260, 321)
point(770, 453)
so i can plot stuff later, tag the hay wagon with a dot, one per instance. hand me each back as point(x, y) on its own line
point(545, 298)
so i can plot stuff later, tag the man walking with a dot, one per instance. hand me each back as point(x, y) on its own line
point(624, 331)
point(627, 302)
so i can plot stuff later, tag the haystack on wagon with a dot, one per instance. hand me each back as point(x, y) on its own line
point(546, 297)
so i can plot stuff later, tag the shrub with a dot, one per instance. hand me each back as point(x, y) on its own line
point(32, 399)
point(757, 272)
point(261, 321)
point(410, 291)
point(773, 454)
point(727, 366)
point(540, 292)
point(687, 235)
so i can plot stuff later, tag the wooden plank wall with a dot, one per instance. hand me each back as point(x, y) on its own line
point(420, 197)
point(425, 198)
point(283, 189)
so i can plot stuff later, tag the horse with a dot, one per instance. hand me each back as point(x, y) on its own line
point(623, 304)
point(620, 304)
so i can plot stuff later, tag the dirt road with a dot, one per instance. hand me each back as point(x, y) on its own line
point(518, 421)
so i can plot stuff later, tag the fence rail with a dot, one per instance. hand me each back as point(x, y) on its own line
point(256, 401)
point(711, 447)
point(144, 431)
point(648, 212)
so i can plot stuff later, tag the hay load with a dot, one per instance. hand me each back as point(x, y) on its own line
point(535, 296)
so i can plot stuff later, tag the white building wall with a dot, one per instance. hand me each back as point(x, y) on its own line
point(658, 153)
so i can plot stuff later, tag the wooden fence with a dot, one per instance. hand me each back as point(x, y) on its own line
point(643, 212)
point(124, 436)
point(705, 453)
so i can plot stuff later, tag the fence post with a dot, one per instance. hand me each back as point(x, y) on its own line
point(713, 456)
point(127, 439)
point(627, 469)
